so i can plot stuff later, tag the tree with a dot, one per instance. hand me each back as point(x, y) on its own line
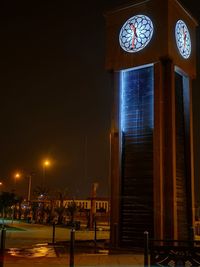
point(72, 208)
point(7, 200)
point(34, 208)
point(42, 194)
point(60, 211)
point(61, 195)
point(19, 201)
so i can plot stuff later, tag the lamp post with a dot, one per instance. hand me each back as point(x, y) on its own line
point(29, 176)
point(1, 185)
point(45, 164)
point(29, 187)
point(16, 177)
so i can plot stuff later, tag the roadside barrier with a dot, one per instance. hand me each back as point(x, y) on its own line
point(146, 249)
point(166, 252)
point(53, 232)
point(197, 228)
point(2, 246)
point(71, 248)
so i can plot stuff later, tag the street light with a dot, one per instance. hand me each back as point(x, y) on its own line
point(29, 176)
point(1, 185)
point(46, 163)
point(29, 187)
point(16, 177)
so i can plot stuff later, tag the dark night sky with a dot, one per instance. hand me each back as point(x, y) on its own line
point(56, 95)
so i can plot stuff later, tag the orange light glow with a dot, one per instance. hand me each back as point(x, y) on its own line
point(17, 175)
point(46, 163)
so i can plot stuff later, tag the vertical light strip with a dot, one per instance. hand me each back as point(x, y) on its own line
point(122, 101)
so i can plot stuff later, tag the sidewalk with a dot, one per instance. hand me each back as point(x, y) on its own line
point(82, 260)
point(33, 234)
point(47, 256)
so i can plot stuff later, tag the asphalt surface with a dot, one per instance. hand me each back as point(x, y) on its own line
point(31, 234)
point(79, 260)
point(31, 245)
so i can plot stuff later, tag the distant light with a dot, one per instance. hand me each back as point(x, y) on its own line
point(46, 163)
point(17, 175)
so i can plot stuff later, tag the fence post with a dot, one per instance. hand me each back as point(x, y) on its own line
point(95, 234)
point(72, 242)
point(2, 246)
point(191, 236)
point(53, 234)
point(116, 235)
point(146, 249)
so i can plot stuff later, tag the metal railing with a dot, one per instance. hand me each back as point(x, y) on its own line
point(171, 252)
point(2, 246)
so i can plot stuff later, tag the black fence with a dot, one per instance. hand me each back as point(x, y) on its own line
point(2, 246)
point(171, 252)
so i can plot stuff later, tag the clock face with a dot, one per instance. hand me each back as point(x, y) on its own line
point(183, 40)
point(136, 33)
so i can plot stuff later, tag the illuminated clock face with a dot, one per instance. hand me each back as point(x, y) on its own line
point(183, 40)
point(136, 33)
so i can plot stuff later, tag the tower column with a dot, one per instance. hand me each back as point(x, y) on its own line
point(115, 167)
point(158, 151)
point(169, 150)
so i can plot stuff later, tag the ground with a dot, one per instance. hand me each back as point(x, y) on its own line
point(31, 245)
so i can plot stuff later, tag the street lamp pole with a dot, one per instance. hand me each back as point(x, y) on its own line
point(46, 163)
point(16, 176)
point(44, 174)
point(29, 187)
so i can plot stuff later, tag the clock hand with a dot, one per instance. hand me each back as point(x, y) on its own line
point(133, 28)
point(184, 37)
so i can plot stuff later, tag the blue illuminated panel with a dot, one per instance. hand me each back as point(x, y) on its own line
point(137, 122)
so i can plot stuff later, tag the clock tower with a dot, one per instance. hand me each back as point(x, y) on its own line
point(151, 55)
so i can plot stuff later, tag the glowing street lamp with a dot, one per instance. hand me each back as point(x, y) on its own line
point(1, 185)
point(27, 176)
point(46, 164)
point(17, 176)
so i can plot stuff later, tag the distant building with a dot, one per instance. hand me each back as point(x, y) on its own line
point(100, 203)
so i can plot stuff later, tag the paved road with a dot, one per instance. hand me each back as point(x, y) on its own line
point(32, 234)
point(83, 260)
point(46, 256)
